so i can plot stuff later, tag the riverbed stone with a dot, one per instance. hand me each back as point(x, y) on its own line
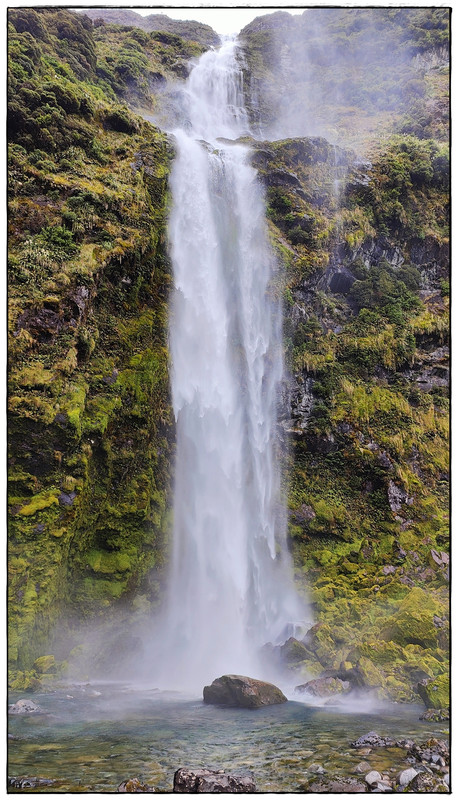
point(406, 776)
point(239, 691)
point(362, 768)
point(135, 786)
point(28, 783)
point(372, 777)
point(336, 786)
point(205, 781)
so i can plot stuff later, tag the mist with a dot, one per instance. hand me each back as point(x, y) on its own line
point(314, 74)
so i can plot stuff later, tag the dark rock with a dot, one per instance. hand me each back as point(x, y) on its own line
point(239, 691)
point(202, 781)
point(397, 497)
point(293, 651)
point(324, 687)
point(66, 499)
point(134, 785)
point(341, 281)
point(24, 707)
point(372, 739)
point(28, 783)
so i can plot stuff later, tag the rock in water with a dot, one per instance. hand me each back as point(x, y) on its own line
point(135, 786)
point(204, 781)
point(24, 707)
point(238, 691)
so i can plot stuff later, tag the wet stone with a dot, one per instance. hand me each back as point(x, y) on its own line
point(406, 776)
point(134, 785)
point(24, 707)
point(205, 781)
point(28, 783)
point(372, 777)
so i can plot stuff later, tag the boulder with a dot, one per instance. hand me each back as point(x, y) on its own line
point(239, 691)
point(24, 707)
point(205, 781)
point(372, 739)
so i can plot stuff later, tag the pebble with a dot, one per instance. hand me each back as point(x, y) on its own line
point(317, 769)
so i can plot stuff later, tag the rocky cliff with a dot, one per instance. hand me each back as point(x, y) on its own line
point(363, 237)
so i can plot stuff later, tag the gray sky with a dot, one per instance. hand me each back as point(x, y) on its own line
point(222, 20)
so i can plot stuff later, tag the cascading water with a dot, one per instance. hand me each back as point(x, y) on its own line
point(230, 587)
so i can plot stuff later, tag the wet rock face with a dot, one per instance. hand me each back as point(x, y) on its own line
point(239, 691)
point(204, 781)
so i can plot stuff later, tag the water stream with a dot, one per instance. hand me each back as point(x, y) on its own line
point(230, 588)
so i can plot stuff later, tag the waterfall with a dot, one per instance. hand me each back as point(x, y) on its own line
point(230, 588)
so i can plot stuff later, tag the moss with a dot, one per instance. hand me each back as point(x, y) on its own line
point(436, 693)
point(39, 502)
point(106, 563)
point(45, 664)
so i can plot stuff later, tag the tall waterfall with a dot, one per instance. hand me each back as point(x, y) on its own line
point(230, 588)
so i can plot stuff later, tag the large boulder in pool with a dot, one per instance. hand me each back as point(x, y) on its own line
point(238, 691)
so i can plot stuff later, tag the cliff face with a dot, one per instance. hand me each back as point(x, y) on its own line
point(90, 428)
point(364, 244)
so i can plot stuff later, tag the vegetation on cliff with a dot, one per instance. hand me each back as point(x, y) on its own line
point(364, 246)
point(89, 413)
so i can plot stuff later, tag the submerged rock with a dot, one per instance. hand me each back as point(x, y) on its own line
point(336, 786)
point(24, 707)
point(28, 783)
point(239, 691)
point(134, 785)
point(202, 781)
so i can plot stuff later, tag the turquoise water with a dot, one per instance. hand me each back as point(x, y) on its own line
point(92, 737)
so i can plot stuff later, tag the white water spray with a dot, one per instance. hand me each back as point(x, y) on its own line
point(230, 587)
